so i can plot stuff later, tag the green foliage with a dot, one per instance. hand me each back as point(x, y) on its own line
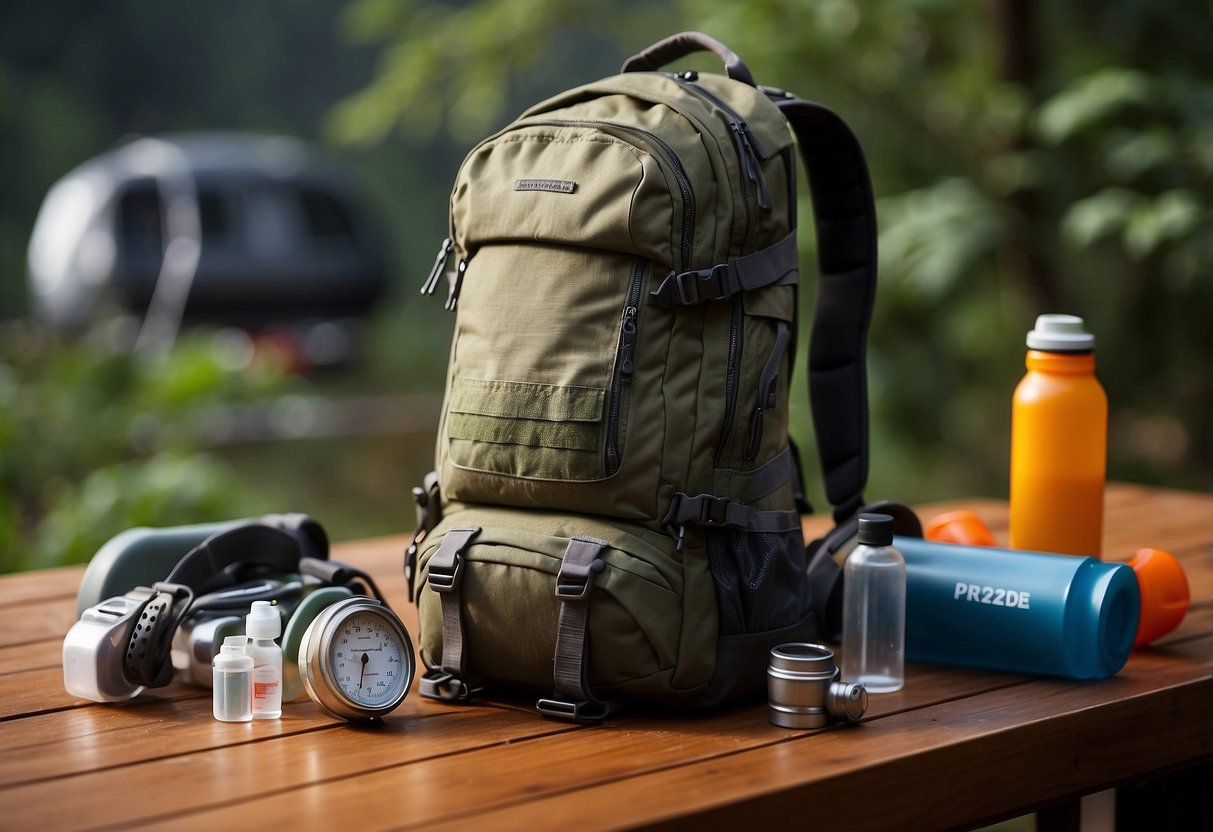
point(95, 439)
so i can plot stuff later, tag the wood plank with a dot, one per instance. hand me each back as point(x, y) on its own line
point(32, 655)
point(40, 585)
point(111, 736)
point(251, 771)
point(41, 691)
point(25, 623)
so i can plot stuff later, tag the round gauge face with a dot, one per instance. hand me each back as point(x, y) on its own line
point(367, 659)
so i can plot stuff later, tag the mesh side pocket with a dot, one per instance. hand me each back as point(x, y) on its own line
point(760, 579)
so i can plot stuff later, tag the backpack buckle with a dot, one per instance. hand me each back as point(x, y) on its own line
point(694, 287)
point(446, 565)
point(445, 687)
point(574, 579)
point(713, 511)
point(587, 712)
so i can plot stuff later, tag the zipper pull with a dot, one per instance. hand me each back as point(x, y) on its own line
point(746, 143)
point(452, 297)
point(444, 253)
point(756, 153)
point(627, 365)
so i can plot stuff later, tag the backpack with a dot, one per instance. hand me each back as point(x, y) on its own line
point(616, 508)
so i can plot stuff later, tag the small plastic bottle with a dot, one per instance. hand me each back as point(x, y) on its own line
point(233, 681)
point(1059, 442)
point(263, 625)
point(874, 609)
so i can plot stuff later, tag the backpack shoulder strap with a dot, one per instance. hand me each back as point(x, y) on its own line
point(845, 217)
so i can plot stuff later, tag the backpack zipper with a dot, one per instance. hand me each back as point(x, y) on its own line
point(625, 365)
point(680, 174)
point(750, 152)
point(750, 155)
point(731, 377)
point(444, 254)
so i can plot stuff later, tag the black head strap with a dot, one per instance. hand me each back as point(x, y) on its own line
point(251, 544)
point(148, 655)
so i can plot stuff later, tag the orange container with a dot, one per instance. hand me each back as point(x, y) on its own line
point(1059, 439)
point(1164, 593)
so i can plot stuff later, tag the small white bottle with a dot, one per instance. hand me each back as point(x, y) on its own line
point(232, 676)
point(263, 625)
point(874, 609)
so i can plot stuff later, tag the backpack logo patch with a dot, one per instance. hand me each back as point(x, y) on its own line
point(556, 186)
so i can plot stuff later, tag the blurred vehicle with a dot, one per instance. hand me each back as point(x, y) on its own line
point(234, 229)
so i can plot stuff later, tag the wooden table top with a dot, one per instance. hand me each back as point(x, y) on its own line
point(953, 748)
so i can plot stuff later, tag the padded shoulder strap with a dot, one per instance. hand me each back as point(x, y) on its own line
point(845, 217)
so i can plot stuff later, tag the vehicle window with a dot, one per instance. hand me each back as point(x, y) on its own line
point(326, 219)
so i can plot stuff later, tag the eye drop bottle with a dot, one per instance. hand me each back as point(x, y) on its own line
point(874, 609)
point(233, 682)
point(263, 625)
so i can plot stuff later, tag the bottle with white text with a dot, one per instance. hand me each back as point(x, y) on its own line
point(874, 609)
point(263, 625)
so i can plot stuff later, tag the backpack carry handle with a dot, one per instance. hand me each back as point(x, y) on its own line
point(685, 43)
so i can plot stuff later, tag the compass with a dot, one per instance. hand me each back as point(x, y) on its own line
point(356, 659)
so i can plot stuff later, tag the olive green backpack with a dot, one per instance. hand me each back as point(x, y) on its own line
point(616, 511)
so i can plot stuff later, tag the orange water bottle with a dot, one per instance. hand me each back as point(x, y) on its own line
point(1059, 441)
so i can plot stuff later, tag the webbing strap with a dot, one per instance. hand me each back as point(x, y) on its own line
point(845, 216)
point(771, 476)
point(774, 265)
point(710, 510)
point(445, 577)
point(570, 666)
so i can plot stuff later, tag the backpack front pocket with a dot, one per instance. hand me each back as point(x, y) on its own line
point(507, 579)
point(540, 388)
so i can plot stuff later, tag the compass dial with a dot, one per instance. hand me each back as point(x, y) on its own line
point(356, 659)
point(366, 657)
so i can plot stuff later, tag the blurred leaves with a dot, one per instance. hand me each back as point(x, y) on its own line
point(95, 439)
point(932, 238)
point(1089, 101)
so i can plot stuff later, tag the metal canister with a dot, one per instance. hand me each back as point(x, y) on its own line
point(803, 690)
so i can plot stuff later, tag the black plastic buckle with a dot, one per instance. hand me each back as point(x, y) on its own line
point(713, 511)
point(445, 687)
point(701, 285)
point(586, 712)
point(694, 287)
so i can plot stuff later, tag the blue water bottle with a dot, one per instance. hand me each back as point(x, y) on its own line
point(1023, 612)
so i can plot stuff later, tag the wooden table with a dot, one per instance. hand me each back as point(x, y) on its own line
point(954, 748)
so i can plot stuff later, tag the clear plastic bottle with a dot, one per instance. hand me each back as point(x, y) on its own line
point(233, 681)
point(1059, 442)
point(263, 625)
point(874, 609)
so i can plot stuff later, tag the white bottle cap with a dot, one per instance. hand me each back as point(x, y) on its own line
point(1060, 333)
point(232, 656)
point(263, 621)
